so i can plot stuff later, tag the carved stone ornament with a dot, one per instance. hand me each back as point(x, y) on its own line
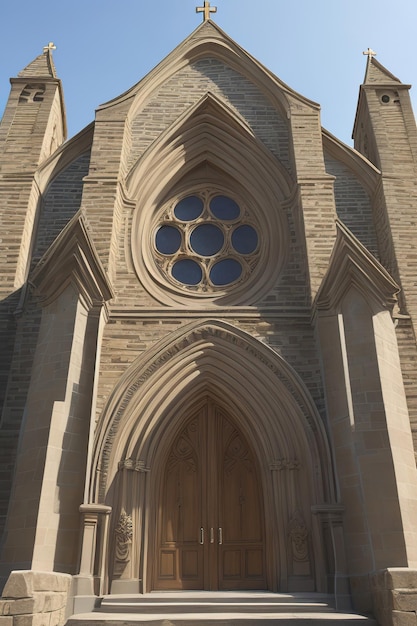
point(298, 535)
point(133, 465)
point(124, 535)
point(284, 464)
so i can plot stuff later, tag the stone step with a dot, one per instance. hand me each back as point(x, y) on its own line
point(217, 609)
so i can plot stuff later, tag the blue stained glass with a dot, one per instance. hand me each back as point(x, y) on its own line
point(189, 208)
point(206, 239)
point(245, 239)
point(187, 272)
point(225, 272)
point(224, 208)
point(168, 240)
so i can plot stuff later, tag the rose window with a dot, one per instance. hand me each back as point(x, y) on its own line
point(206, 242)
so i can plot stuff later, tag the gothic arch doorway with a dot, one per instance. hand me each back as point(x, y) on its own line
point(262, 398)
point(209, 531)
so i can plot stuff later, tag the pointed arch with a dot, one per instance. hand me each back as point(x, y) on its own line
point(214, 136)
point(213, 362)
point(242, 374)
point(209, 39)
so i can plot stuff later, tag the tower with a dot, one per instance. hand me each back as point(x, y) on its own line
point(385, 132)
point(32, 128)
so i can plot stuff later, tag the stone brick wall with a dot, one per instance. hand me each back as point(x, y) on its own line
point(60, 203)
point(34, 599)
point(353, 204)
point(192, 82)
point(394, 593)
point(16, 357)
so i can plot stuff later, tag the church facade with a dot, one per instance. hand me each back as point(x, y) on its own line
point(209, 360)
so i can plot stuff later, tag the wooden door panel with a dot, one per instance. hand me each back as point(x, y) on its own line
point(240, 513)
point(180, 555)
point(255, 567)
point(168, 564)
point(210, 481)
point(240, 493)
point(191, 564)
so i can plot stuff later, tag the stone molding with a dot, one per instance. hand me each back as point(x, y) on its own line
point(134, 465)
point(285, 464)
point(209, 35)
point(260, 182)
point(351, 264)
point(72, 259)
point(213, 338)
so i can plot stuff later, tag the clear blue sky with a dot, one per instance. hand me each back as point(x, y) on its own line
point(315, 46)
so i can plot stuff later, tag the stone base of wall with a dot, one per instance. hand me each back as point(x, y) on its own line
point(35, 599)
point(394, 593)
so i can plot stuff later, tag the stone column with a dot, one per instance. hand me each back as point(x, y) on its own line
point(331, 521)
point(92, 579)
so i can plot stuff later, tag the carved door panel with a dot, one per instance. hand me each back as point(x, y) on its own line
point(240, 511)
point(180, 549)
point(210, 531)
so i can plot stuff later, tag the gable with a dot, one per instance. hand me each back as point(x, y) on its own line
point(188, 85)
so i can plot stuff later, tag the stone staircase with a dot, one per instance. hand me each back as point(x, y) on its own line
point(217, 609)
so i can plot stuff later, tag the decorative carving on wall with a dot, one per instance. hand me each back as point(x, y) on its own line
point(124, 535)
point(298, 535)
point(284, 464)
point(133, 465)
point(237, 452)
point(183, 450)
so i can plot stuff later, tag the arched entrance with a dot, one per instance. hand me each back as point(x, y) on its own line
point(209, 508)
point(236, 385)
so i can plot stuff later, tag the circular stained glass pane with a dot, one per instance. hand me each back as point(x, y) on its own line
point(168, 240)
point(245, 239)
point(187, 271)
point(189, 208)
point(224, 208)
point(225, 272)
point(207, 239)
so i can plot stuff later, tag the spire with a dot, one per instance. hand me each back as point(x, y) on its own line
point(377, 73)
point(43, 66)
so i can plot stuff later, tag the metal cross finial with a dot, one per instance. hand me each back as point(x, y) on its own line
point(51, 46)
point(206, 9)
point(369, 53)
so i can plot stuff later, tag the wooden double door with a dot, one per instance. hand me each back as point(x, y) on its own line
point(210, 522)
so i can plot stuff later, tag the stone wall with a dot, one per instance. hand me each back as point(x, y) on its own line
point(60, 203)
point(353, 204)
point(190, 84)
point(34, 599)
point(394, 592)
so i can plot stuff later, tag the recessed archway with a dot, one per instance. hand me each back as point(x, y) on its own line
point(266, 401)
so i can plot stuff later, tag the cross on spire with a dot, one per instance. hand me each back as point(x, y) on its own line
point(51, 46)
point(369, 53)
point(206, 9)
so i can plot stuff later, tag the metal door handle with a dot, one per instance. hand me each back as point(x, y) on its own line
point(211, 535)
point(201, 536)
point(220, 536)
